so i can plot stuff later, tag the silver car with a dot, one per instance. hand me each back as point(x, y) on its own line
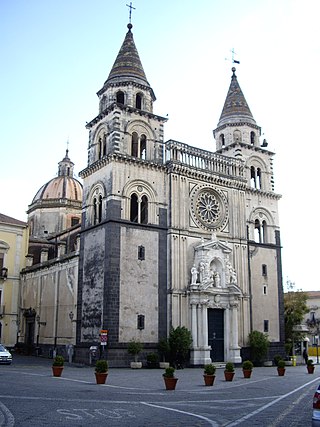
point(5, 355)
point(316, 409)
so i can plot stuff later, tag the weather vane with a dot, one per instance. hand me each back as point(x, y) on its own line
point(233, 61)
point(130, 7)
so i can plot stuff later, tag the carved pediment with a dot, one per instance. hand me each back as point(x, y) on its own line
point(216, 245)
point(212, 268)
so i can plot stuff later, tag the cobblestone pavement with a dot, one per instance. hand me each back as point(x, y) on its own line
point(30, 396)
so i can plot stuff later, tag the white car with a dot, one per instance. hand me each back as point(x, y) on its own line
point(5, 355)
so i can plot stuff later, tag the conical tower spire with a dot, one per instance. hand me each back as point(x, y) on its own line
point(127, 65)
point(235, 108)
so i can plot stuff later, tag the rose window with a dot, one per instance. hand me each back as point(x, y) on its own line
point(208, 207)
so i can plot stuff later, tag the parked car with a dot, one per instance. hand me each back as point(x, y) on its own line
point(316, 408)
point(5, 355)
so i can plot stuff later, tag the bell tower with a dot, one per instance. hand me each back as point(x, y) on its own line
point(126, 123)
point(123, 264)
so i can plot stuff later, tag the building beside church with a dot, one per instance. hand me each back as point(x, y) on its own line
point(13, 251)
point(171, 235)
point(49, 283)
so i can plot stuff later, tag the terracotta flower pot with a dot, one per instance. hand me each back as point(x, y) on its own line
point(310, 369)
point(247, 373)
point(208, 379)
point(281, 371)
point(170, 383)
point(57, 371)
point(101, 377)
point(228, 375)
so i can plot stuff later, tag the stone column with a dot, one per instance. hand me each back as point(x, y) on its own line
point(204, 316)
point(194, 329)
point(234, 347)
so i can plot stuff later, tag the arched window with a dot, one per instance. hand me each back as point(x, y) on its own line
point(139, 101)
point(97, 209)
point(144, 210)
point(252, 138)
point(264, 232)
point(222, 140)
point(260, 231)
point(257, 231)
point(134, 208)
point(139, 146)
point(99, 148)
point(255, 178)
point(143, 147)
point(258, 181)
point(139, 209)
point(134, 144)
point(104, 145)
point(120, 97)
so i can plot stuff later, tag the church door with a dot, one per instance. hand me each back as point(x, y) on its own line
point(216, 334)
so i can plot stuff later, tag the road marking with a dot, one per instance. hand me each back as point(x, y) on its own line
point(288, 410)
point(212, 423)
point(6, 417)
point(257, 411)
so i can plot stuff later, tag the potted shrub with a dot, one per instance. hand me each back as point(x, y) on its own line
point(310, 366)
point(57, 366)
point(180, 340)
point(276, 359)
point(152, 360)
point(229, 371)
point(101, 371)
point(208, 374)
point(281, 368)
point(259, 344)
point(164, 350)
point(247, 367)
point(169, 379)
point(134, 348)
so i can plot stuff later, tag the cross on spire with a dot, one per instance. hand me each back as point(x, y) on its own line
point(232, 59)
point(130, 7)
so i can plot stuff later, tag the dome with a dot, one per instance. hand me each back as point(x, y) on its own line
point(57, 205)
point(64, 186)
point(61, 187)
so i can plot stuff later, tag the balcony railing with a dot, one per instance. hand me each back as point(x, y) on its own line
point(193, 157)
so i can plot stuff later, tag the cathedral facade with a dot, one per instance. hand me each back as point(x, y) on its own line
point(171, 235)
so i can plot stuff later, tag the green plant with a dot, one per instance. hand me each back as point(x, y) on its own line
point(169, 372)
point(58, 361)
point(288, 348)
point(152, 358)
point(209, 369)
point(309, 362)
point(180, 340)
point(259, 344)
point(101, 366)
point(281, 363)
point(247, 365)
point(164, 348)
point(276, 359)
point(229, 367)
point(134, 348)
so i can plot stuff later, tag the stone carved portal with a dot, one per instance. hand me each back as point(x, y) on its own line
point(214, 286)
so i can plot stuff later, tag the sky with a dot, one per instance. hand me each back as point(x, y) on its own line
point(56, 55)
